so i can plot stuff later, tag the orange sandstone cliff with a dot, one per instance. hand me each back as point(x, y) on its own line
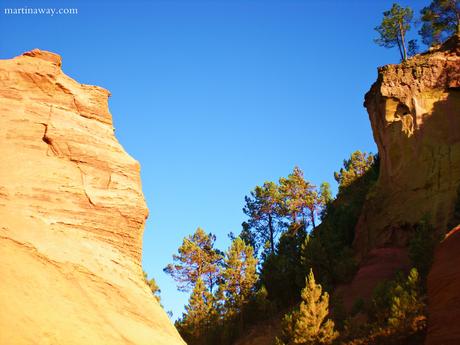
point(72, 214)
point(414, 109)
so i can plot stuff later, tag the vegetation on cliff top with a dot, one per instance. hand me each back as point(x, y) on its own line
point(441, 20)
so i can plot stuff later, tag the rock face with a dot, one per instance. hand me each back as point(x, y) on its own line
point(444, 293)
point(414, 110)
point(71, 216)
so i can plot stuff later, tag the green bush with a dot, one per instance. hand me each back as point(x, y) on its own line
point(421, 247)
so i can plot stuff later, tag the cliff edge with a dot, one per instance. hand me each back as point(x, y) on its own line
point(72, 216)
point(414, 110)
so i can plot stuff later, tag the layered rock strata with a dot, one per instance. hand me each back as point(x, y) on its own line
point(72, 214)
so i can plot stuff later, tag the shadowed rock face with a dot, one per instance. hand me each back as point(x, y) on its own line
point(72, 214)
point(414, 108)
point(444, 293)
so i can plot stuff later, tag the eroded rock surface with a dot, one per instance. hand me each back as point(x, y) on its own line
point(414, 108)
point(72, 214)
point(444, 293)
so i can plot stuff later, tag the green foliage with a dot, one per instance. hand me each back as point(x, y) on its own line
point(353, 168)
point(272, 208)
point(264, 209)
point(309, 324)
point(407, 307)
point(325, 194)
point(441, 19)
point(421, 247)
point(199, 314)
point(197, 258)
point(395, 24)
point(328, 248)
point(301, 200)
point(283, 273)
point(412, 48)
point(399, 304)
point(396, 315)
point(238, 276)
point(153, 286)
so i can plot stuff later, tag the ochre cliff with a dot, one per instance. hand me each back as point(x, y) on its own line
point(414, 109)
point(444, 293)
point(71, 216)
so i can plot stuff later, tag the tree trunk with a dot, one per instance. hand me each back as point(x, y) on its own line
point(403, 41)
point(312, 216)
point(272, 235)
point(400, 48)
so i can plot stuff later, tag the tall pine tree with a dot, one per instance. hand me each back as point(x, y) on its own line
point(197, 258)
point(309, 324)
point(198, 316)
point(263, 207)
point(238, 276)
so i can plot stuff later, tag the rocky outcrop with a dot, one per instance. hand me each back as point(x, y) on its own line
point(414, 109)
point(444, 293)
point(71, 216)
point(380, 265)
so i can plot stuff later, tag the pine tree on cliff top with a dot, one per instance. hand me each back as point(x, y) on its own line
point(394, 27)
point(309, 324)
point(441, 19)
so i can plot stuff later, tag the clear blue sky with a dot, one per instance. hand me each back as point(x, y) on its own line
point(216, 97)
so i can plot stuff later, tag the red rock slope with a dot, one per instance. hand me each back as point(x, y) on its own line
point(71, 216)
point(444, 293)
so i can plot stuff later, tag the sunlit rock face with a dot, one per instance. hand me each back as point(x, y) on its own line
point(72, 215)
point(414, 109)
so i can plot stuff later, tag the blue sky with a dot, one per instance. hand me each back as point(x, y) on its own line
point(216, 97)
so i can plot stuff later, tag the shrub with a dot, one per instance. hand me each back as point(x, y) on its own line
point(309, 325)
point(421, 247)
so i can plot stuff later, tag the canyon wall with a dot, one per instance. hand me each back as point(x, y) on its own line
point(414, 109)
point(72, 214)
point(444, 293)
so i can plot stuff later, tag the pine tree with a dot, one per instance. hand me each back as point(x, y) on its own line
point(441, 19)
point(263, 207)
point(198, 313)
point(153, 286)
point(353, 168)
point(197, 258)
point(300, 198)
point(407, 306)
point(309, 324)
point(325, 194)
point(395, 24)
point(239, 276)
